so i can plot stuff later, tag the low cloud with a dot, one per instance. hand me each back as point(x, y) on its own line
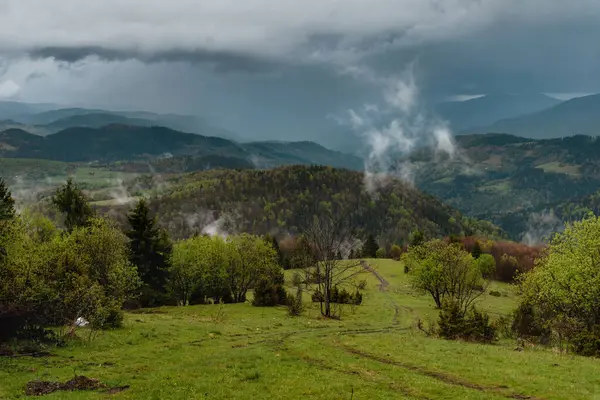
point(541, 226)
point(393, 131)
point(8, 89)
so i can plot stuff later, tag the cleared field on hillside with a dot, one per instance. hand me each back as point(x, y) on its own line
point(244, 352)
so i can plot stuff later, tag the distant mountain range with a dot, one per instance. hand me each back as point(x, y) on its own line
point(46, 119)
point(486, 110)
point(578, 116)
point(143, 144)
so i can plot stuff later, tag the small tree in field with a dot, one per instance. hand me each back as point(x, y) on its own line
point(327, 236)
point(445, 271)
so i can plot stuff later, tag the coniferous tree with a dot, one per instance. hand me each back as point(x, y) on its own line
point(7, 203)
point(273, 241)
point(70, 200)
point(150, 250)
point(370, 247)
point(476, 253)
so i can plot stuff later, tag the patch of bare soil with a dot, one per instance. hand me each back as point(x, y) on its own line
point(80, 382)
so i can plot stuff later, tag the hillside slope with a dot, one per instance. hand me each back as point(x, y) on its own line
point(500, 175)
point(282, 200)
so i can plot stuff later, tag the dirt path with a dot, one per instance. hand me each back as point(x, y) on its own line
point(383, 285)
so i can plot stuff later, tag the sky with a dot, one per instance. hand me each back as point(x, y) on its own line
point(286, 68)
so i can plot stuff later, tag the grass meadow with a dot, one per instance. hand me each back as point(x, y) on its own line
point(243, 352)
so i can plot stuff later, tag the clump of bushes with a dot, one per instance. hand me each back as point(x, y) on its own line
point(511, 258)
point(474, 325)
point(339, 296)
point(269, 291)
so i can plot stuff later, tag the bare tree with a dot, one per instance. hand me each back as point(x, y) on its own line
point(328, 237)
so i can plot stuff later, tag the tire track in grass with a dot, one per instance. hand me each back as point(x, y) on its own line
point(446, 378)
point(383, 287)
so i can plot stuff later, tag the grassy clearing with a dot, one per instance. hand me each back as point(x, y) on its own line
point(499, 187)
point(32, 179)
point(243, 352)
point(560, 168)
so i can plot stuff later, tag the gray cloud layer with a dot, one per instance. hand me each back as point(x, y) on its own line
point(298, 57)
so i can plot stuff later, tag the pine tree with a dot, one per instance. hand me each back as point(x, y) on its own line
point(70, 200)
point(476, 253)
point(280, 257)
point(7, 203)
point(150, 250)
point(370, 247)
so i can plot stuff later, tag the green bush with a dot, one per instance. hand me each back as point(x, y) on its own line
point(269, 291)
point(587, 342)
point(339, 296)
point(294, 303)
point(473, 326)
point(51, 282)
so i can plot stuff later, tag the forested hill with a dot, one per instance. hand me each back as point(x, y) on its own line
point(145, 144)
point(279, 201)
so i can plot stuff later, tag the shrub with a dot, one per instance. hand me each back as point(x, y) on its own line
point(528, 323)
point(471, 326)
point(52, 282)
point(396, 252)
point(294, 303)
point(339, 296)
point(269, 290)
point(380, 253)
point(587, 342)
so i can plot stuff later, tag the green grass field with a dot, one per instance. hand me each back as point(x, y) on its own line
point(244, 352)
point(32, 179)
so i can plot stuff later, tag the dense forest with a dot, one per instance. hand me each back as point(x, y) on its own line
point(280, 201)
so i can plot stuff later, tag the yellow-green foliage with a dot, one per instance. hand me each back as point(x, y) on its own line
point(220, 269)
point(565, 285)
point(51, 278)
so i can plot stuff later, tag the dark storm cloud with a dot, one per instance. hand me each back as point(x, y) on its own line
point(222, 62)
point(321, 57)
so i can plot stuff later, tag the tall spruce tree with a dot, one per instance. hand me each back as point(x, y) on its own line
point(370, 247)
point(7, 203)
point(150, 250)
point(72, 202)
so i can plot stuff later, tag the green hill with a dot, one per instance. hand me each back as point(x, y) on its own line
point(282, 200)
point(145, 144)
point(501, 176)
